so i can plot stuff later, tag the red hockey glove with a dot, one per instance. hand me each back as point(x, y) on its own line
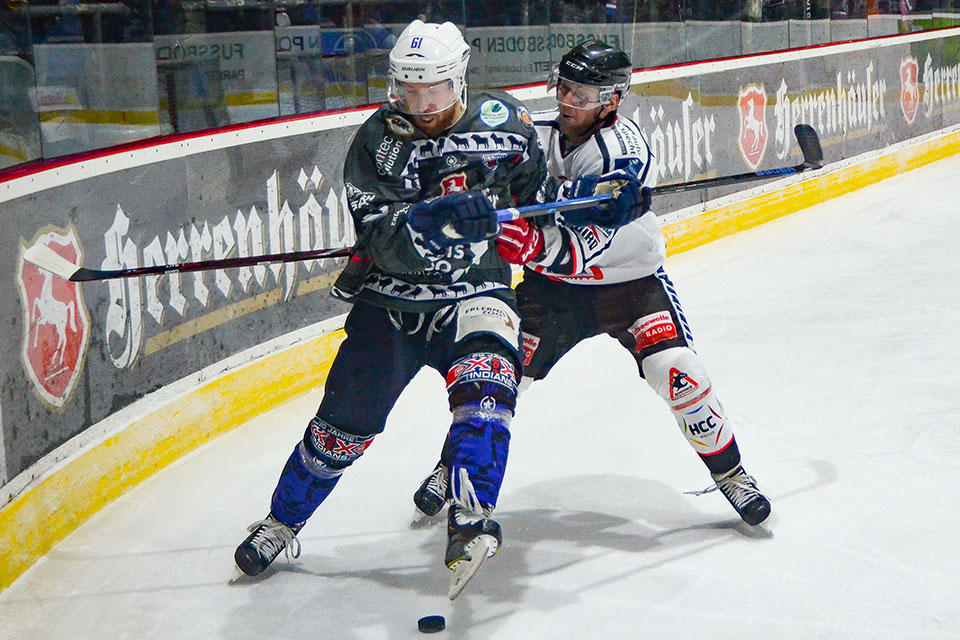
point(519, 241)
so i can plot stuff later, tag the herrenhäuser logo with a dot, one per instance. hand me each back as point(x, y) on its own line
point(752, 103)
point(56, 327)
point(909, 88)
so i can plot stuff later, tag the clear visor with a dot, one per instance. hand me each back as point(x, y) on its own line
point(576, 95)
point(421, 99)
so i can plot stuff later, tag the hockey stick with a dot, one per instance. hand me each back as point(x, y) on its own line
point(46, 258)
point(807, 139)
point(809, 144)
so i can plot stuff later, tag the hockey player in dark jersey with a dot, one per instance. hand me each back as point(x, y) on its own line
point(600, 270)
point(423, 176)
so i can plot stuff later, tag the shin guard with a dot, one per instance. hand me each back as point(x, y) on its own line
point(678, 377)
point(313, 469)
point(483, 394)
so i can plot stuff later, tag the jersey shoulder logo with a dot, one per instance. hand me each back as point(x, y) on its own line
point(494, 113)
point(524, 117)
point(399, 126)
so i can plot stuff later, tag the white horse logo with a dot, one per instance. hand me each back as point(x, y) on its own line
point(754, 125)
point(47, 310)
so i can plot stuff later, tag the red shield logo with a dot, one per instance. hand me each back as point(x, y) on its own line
point(55, 322)
point(909, 89)
point(753, 124)
point(454, 182)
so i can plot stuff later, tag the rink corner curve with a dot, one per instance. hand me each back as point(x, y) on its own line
point(53, 505)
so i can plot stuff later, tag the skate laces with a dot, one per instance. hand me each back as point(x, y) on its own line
point(437, 482)
point(465, 497)
point(272, 537)
point(738, 486)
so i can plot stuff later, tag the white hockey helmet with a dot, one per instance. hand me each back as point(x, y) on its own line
point(428, 54)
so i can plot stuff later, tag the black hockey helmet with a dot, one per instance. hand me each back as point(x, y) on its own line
point(595, 64)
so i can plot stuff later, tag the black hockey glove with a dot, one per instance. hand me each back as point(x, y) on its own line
point(630, 201)
point(459, 218)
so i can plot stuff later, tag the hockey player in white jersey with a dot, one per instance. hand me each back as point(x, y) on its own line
point(600, 270)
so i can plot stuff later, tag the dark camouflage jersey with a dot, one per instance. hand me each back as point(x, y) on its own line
point(391, 165)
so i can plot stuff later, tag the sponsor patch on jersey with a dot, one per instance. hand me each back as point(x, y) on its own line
point(530, 344)
point(386, 154)
point(398, 125)
point(524, 116)
point(653, 328)
point(592, 273)
point(454, 183)
point(494, 113)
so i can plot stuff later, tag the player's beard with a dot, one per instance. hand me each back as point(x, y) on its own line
point(579, 124)
point(436, 123)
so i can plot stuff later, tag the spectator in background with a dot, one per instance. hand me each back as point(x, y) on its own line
point(14, 29)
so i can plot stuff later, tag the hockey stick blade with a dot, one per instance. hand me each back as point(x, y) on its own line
point(812, 159)
point(809, 143)
point(46, 258)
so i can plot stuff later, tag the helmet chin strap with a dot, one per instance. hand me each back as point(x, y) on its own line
point(599, 121)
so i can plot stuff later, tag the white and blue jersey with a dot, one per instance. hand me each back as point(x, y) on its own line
point(598, 255)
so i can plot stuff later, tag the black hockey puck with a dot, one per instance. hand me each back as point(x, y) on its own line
point(431, 624)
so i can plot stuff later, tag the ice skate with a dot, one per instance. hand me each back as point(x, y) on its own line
point(268, 537)
point(472, 535)
point(471, 539)
point(432, 494)
point(741, 490)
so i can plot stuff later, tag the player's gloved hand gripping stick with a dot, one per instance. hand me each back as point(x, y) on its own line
point(46, 258)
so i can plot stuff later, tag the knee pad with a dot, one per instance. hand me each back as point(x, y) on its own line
point(484, 382)
point(489, 317)
point(326, 451)
point(678, 376)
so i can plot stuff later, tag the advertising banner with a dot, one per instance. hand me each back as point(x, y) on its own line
point(524, 55)
point(84, 351)
point(214, 79)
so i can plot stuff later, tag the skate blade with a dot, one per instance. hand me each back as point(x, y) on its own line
point(237, 576)
point(421, 520)
point(478, 550)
